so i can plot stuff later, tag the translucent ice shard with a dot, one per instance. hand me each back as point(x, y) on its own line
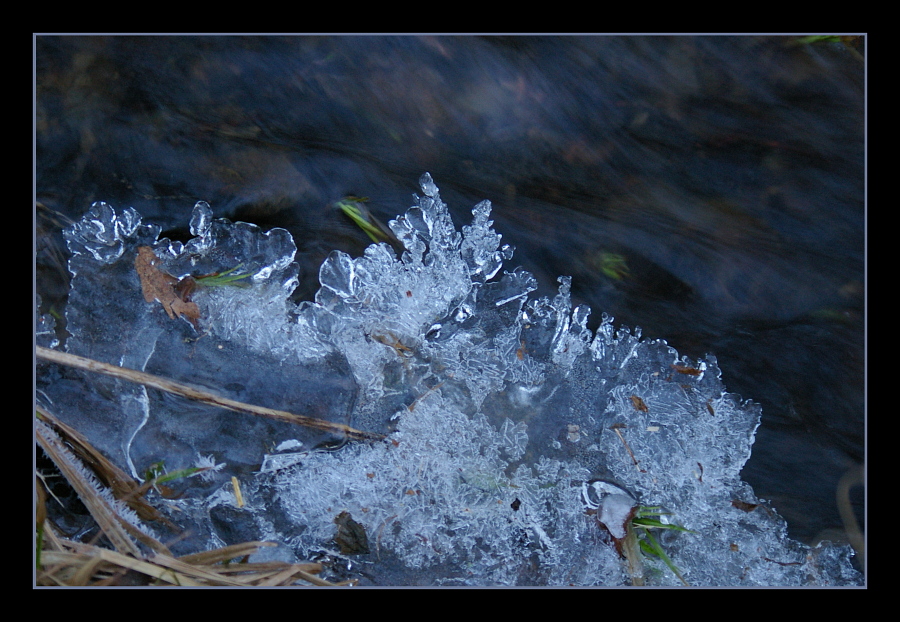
point(503, 414)
point(102, 232)
point(44, 328)
point(246, 347)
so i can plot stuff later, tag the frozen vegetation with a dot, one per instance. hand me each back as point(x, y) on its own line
point(518, 443)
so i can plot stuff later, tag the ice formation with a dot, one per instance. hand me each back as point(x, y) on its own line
point(506, 419)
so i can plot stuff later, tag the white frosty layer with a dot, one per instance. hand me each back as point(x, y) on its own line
point(498, 408)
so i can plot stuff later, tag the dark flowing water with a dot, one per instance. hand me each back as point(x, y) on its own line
point(707, 189)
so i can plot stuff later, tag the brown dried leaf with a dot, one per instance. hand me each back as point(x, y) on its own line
point(639, 404)
point(351, 536)
point(174, 295)
point(688, 371)
point(743, 505)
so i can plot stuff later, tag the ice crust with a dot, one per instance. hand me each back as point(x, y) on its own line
point(499, 410)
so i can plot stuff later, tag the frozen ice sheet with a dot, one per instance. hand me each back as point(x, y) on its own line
point(503, 413)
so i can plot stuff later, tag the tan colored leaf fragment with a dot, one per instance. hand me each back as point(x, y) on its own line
point(639, 404)
point(160, 286)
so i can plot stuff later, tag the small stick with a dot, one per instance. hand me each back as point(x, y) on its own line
point(170, 386)
point(615, 428)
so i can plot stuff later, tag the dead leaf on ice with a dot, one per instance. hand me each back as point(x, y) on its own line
point(174, 295)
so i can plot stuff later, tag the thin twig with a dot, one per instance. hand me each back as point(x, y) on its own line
point(615, 428)
point(85, 564)
point(120, 483)
point(105, 515)
point(170, 386)
point(854, 477)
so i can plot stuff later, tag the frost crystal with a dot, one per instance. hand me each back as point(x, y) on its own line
point(497, 409)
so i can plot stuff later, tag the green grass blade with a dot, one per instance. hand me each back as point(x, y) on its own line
point(653, 548)
point(226, 278)
point(355, 213)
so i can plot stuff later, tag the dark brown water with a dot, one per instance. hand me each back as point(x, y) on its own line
point(709, 190)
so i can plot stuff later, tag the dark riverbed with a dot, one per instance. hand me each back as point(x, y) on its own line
point(707, 189)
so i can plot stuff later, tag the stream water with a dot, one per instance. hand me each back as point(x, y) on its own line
point(707, 189)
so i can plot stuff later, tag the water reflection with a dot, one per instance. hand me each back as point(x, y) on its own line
point(709, 190)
